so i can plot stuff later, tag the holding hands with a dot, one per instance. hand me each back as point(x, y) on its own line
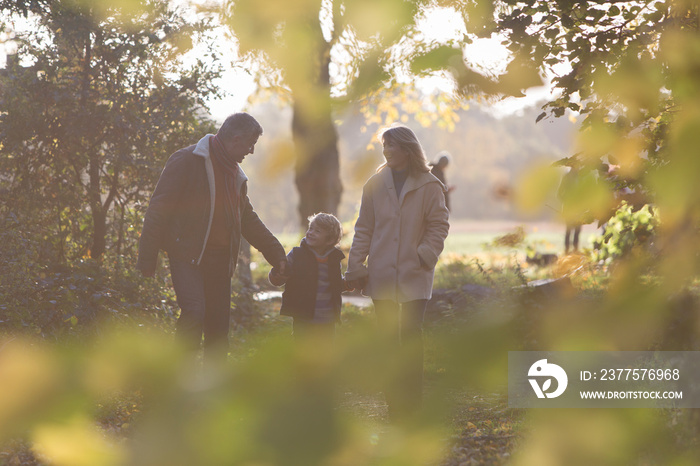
point(357, 284)
point(279, 275)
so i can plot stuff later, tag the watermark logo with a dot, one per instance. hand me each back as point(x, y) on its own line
point(546, 371)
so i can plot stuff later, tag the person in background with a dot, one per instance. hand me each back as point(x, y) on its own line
point(313, 283)
point(573, 222)
point(438, 169)
point(198, 213)
point(400, 233)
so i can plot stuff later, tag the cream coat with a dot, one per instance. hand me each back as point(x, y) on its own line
point(400, 236)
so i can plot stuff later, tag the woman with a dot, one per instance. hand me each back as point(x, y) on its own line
point(400, 231)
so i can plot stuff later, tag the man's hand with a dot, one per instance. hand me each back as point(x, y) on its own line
point(276, 278)
point(279, 275)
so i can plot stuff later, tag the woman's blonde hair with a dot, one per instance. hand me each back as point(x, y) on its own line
point(330, 225)
point(407, 140)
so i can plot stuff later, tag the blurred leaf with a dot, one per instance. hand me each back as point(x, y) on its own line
point(637, 83)
point(439, 58)
point(536, 187)
point(586, 199)
point(521, 74)
point(281, 159)
point(479, 17)
point(371, 73)
point(128, 8)
point(29, 377)
point(597, 140)
point(364, 167)
point(76, 443)
point(385, 19)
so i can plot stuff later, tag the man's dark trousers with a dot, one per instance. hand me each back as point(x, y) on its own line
point(204, 296)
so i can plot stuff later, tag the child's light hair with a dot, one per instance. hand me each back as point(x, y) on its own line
point(329, 224)
point(407, 140)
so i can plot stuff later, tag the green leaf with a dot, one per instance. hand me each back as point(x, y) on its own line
point(436, 59)
point(551, 33)
point(536, 188)
point(376, 18)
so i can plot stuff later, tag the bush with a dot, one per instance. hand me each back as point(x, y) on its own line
point(61, 299)
point(625, 232)
point(18, 268)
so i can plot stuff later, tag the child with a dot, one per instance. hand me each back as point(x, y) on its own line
point(313, 281)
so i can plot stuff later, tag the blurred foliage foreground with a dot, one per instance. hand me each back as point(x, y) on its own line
point(127, 395)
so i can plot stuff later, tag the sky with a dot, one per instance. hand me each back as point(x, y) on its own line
point(440, 25)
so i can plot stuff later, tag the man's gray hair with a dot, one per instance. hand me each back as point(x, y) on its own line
point(240, 124)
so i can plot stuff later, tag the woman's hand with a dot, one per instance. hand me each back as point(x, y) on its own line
point(358, 284)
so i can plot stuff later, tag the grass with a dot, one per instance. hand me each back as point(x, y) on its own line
point(478, 243)
point(472, 242)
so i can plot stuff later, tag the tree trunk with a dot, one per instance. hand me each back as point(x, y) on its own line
point(120, 230)
point(99, 215)
point(317, 167)
point(99, 244)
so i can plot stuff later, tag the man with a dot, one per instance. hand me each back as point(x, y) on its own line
point(197, 214)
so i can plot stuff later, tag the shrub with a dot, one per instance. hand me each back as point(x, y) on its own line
point(626, 231)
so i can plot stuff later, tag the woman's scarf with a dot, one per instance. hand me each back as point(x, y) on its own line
point(230, 169)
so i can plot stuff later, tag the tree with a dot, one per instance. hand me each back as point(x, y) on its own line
point(616, 72)
point(634, 76)
point(323, 54)
point(93, 102)
point(303, 52)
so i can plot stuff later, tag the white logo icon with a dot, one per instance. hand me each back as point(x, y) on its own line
point(543, 369)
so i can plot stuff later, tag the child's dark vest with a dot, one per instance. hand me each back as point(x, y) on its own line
point(299, 297)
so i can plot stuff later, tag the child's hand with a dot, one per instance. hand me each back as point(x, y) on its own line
point(276, 278)
point(283, 269)
point(346, 286)
point(279, 275)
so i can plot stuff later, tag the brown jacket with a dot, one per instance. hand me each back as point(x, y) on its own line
point(179, 216)
point(400, 236)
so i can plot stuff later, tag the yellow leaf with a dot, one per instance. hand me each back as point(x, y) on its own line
point(281, 159)
point(536, 187)
point(76, 443)
point(28, 377)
